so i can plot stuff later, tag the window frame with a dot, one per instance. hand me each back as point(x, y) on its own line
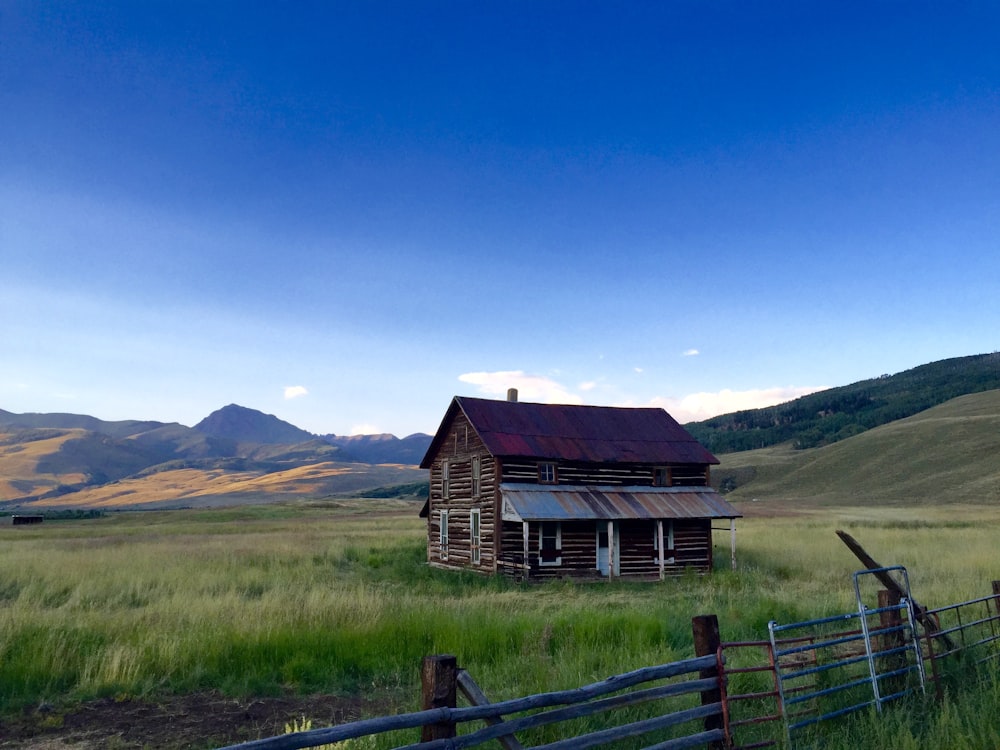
point(445, 479)
point(476, 535)
point(443, 533)
point(548, 472)
point(668, 543)
point(477, 476)
point(541, 544)
point(661, 476)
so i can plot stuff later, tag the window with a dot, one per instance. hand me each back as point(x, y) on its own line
point(476, 476)
point(445, 479)
point(475, 534)
point(668, 541)
point(550, 544)
point(444, 534)
point(661, 476)
point(547, 473)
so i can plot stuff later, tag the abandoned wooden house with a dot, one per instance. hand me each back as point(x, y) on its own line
point(545, 491)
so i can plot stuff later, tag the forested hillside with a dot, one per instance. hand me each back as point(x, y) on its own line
point(831, 415)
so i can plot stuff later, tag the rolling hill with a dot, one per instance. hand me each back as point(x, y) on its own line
point(838, 413)
point(946, 454)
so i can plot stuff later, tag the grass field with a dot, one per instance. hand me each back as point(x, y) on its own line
point(335, 598)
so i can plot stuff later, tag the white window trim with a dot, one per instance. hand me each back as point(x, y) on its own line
point(476, 535)
point(558, 560)
point(443, 533)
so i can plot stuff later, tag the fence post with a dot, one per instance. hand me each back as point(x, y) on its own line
point(891, 620)
point(438, 690)
point(996, 596)
point(707, 641)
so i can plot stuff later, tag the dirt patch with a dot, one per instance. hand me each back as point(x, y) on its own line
point(202, 720)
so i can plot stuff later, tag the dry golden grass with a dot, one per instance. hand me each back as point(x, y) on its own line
point(19, 461)
point(198, 487)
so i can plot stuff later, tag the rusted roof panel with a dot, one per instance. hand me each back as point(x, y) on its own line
point(533, 502)
point(597, 434)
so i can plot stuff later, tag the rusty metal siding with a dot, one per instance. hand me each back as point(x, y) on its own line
point(538, 503)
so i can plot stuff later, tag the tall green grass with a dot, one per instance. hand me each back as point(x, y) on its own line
point(309, 599)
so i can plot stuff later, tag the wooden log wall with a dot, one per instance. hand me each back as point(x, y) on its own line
point(579, 550)
point(458, 449)
point(692, 546)
point(576, 473)
point(637, 557)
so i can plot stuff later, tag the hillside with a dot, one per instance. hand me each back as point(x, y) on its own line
point(233, 455)
point(837, 413)
point(200, 488)
point(947, 454)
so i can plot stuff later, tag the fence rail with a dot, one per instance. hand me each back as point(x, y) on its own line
point(741, 695)
point(439, 724)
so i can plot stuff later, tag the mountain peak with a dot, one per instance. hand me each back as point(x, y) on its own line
point(250, 426)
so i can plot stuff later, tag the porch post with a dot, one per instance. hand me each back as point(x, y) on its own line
point(612, 551)
point(524, 533)
point(659, 545)
point(732, 541)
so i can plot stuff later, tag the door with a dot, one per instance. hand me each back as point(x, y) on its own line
point(605, 557)
point(602, 551)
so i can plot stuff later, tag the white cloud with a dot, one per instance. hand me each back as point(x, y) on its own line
point(294, 391)
point(365, 429)
point(696, 407)
point(638, 370)
point(691, 353)
point(588, 386)
point(529, 387)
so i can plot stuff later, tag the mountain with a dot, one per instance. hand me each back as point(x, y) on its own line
point(944, 455)
point(251, 426)
point(234, 455)
point(383, 449)
point(837, 413)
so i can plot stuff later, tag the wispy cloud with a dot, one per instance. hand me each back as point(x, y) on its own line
point(691, 353)
point(529, 387)
point(365, 429)
point(295, 391)
point(698, 406)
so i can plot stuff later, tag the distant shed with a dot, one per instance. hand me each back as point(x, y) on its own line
point(25, 520)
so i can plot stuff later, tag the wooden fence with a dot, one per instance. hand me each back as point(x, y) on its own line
point(729, 695)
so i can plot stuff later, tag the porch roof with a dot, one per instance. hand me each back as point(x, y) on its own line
point(532, 502)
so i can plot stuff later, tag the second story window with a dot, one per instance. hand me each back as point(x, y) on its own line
point(477, 473)
point(661, 476)
point(445, 480)
point(547, 473)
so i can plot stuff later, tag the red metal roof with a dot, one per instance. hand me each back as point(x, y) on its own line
point(596, 434)
point(540, 503)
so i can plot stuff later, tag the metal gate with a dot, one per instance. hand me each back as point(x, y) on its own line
point(837, 665)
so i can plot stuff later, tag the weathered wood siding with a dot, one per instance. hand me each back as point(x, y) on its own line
point(637, 555)
point(641, 475)
point(692, 546)
point(459, 449)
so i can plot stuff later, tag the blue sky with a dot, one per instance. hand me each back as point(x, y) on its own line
point(344, 213)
